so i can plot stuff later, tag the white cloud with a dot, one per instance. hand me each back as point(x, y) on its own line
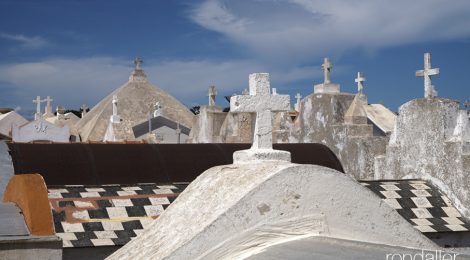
point(25, 42)
point(299, 30)
point(72, 82)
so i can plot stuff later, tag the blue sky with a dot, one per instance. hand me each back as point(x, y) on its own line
point(79, 51)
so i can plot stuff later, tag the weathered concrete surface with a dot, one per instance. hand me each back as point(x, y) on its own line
point(321, 120)
point(206, 125)
point(276, 202)
point(30, 248)
point(6, 167)
point(422, 146)
point(16, 241)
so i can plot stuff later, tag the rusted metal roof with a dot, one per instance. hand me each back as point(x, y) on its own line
point(95, 164)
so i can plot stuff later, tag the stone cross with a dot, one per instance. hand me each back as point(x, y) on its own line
point(261, 102)
point(297, 104)
point(84, 109)
point(38, 101)
point(327, 66)
point(138, 62)
point(115, 117)
point(48, 109)
point(360, 79)
point(429, 91)
point(212, 93)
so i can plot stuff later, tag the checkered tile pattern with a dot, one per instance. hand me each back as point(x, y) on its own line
point(107, 215)
point(421, 204)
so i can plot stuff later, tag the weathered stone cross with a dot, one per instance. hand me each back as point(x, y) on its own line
point(360, 79)
point(297, 103)
point(261, 102)
point(84, 109)
point(212, 93)
point(38, 101)
point(137, 62)
point(48, 105)
point(429, 91)
point(327, 66)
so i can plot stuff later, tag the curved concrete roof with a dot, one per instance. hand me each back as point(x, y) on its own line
point(136, 99)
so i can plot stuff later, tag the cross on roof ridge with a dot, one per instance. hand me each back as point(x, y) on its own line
point(138, 61)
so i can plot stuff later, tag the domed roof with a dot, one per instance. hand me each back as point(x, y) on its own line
point(136, 98)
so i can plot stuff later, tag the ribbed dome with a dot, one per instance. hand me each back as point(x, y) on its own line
point(136, 99)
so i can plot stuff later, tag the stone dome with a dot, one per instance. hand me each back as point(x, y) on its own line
point(137, 99)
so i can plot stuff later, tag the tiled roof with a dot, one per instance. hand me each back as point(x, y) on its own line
point(421, 204)
point(107, 215)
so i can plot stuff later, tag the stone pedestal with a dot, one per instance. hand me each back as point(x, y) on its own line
point(254, 155)
point(327, 88)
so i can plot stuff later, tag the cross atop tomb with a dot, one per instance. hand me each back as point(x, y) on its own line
point(429, 91)
point(261, 102)
point(297, 103)
point(48, 110)
point(327, 66)
point(84, 109)
point(212, 93)
point(38, 102)
point(360, 79)
point(138, 61)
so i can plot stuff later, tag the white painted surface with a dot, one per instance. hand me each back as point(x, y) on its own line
point(40, 130)
point(8, 120)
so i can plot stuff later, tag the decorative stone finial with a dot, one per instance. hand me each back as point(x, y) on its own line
point(212, 93)
point(261, 102)
point(429, 90)
point(360, 79)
